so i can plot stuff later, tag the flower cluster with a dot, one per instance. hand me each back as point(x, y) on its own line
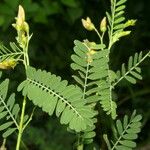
point(22, 28)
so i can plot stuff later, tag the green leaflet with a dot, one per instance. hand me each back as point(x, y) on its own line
point(107, 141)
point(51, 94)
point(9, 132)
point(8, 110)
point(127, 131)
point(120, 2)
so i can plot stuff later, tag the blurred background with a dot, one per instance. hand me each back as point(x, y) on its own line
point(55, 24)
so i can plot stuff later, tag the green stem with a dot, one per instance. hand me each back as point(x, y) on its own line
point(130, 70)
point(3, 145)
point(80, 147)
point(21, 124)
point(29, 119)
point(26, 53)
point(85, 82)
point(21, 128)
point(118, 140)
point(98, 34)
point(112, 24)
point(80, 144)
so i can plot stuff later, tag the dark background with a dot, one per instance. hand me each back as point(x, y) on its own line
point(55, 24)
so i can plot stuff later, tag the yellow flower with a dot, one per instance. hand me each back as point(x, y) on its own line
point(20, 19)
point(8, 64)
point(21, 16)
point(22, 27)
point(103, 25)
point(87, 24)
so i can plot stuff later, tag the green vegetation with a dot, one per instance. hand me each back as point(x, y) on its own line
point(89, 107)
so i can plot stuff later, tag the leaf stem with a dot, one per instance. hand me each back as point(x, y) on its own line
point(122, 77)
point(85, 82)
point(113, 3)
point(115, 144)
point(12, 117)
point(26, 63)
point(98, 33)
point(21, 124)
point(79, 143)
point(29, 119)
point(80, 147)
point(3, 145)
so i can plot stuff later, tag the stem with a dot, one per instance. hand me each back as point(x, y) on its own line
point(85, 82)
point(26, 53)
point(80, 147)
point(3, 145)
point(98, 33)
point(122, 77)
point(112, 24)
point(12, 117)
point(21, 124)
point(21, 128)
point(29, 119)
point(118, 140)
point(79, 143)
point(100, 36)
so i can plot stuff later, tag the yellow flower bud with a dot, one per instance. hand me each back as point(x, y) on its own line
point(92, 52)
point(22, 28)
point(103, 25)
point(87, 24)
point(26, 27)
point(21, 16)
point(92, 44)
point(8, 64)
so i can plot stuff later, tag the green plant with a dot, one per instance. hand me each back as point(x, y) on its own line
point(75, 105)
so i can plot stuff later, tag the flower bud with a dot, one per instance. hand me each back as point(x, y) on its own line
point(26, 27)
point(103, 25)
point(8, 64)
point(22, 28)
point(88, 25)
point(21, 17)
point(91, 44)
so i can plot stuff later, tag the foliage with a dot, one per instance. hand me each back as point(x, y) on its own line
point(87, 61)
point(8, 110)
point(66, 99)
point(95, 79)
point(126, 132)
point(133, 72)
